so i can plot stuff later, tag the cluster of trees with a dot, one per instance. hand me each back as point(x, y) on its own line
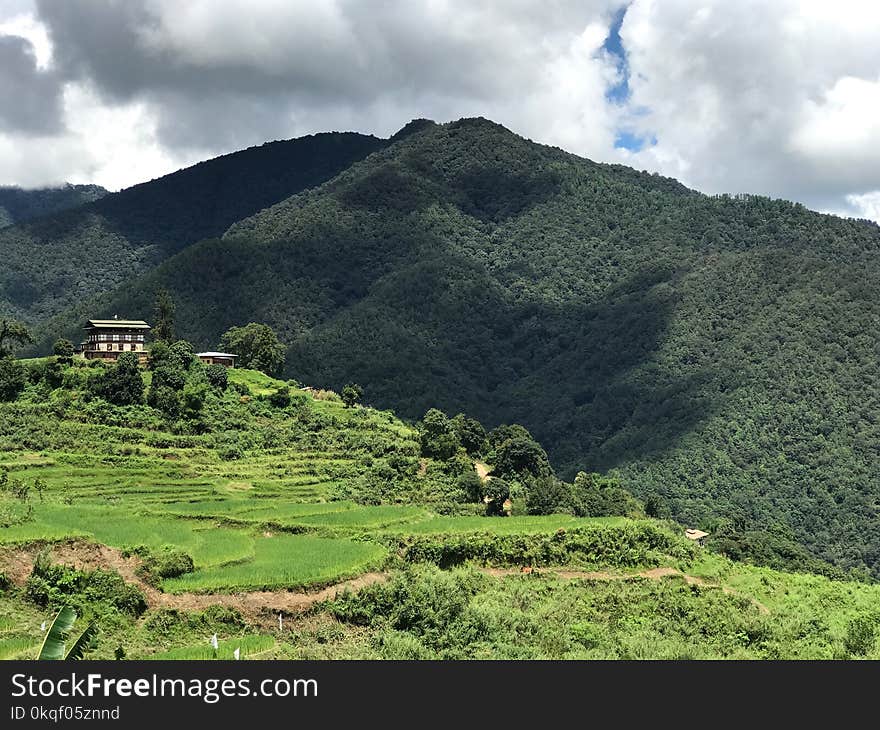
point(18, 205)
point(520, 471)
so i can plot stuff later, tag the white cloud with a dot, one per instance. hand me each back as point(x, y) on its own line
point(865, 205)
point(778, 98)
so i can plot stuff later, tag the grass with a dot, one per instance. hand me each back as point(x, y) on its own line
point(504, 525)
point(16, 647)
point(247, 645)
point(285, 561)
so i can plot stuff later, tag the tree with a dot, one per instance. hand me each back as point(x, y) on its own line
point(351, 394)
point(471, 486)
point(217, 376)
point(257, 347)
point(546, 495)
point(183, 355)
point(13, 378)
point(438, 437)
point(63, 350)
point(194, 395)
point(471, 433)
point(505, 432)
point(121, 384)
point(656, 507)
point(518, 455)
point(13, 335)
point(180, 385)
point(498, 492)
point(163, 329)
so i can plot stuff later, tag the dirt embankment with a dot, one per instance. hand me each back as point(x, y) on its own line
point(256, 605)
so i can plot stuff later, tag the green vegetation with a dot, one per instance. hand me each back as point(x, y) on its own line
point(425, 613)
point(101, 244)
point(717, 352)
point(257, 347)
point(54, 644)
point(600, 333)
point(18, 205)
point(285, 561)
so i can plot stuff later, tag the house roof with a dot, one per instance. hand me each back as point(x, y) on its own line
point(136, 324)
point(693, 534)
point(215, 354)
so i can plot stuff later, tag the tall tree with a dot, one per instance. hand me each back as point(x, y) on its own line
point(163, 330)
point(13, 335)
point(257, 347)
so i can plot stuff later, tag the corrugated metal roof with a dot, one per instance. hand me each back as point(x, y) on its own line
point(215, 354)
point(109, 323)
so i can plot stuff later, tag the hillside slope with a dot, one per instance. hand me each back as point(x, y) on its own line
point(721, 352)
point(18, 205)
point(66, 259)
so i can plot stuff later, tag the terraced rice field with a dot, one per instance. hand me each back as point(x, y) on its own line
point(272, 517)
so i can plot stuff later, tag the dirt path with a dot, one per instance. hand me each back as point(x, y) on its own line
point(652, 574)
point(256, 605)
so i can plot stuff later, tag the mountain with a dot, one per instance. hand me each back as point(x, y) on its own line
point(67, 258)
point(18, 205)
point(720, 353)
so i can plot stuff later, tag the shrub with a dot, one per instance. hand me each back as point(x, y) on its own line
point(13, 379)
point(63, 350)
point(121, 384)
point(88, 592)
point(281, 397)
point(351, 394)
point(167, 563)
point(217, 376)
point(861, 636)
point(438, 437)
point(230, 452)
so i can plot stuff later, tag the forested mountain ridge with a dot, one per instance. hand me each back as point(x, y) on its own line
point(18, 205)
point(68, 258)
point(719, 352)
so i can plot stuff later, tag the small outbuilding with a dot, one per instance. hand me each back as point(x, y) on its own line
point(698, 536)
point(226, 359)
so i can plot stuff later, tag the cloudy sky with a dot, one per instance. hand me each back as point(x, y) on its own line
point(780, 98)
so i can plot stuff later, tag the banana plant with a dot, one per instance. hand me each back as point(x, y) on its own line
point(59, 631)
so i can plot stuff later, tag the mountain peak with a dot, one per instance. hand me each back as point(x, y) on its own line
point(413, 127)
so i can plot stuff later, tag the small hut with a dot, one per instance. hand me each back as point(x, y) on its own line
point(698, 536)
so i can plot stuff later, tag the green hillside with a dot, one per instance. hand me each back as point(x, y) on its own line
point(18, 205)
point(65, 260)
point(262, 500)
point(719, 352)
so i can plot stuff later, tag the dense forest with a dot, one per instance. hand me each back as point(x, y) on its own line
point(63, 260)
point(18, 205)
point(718, 353)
